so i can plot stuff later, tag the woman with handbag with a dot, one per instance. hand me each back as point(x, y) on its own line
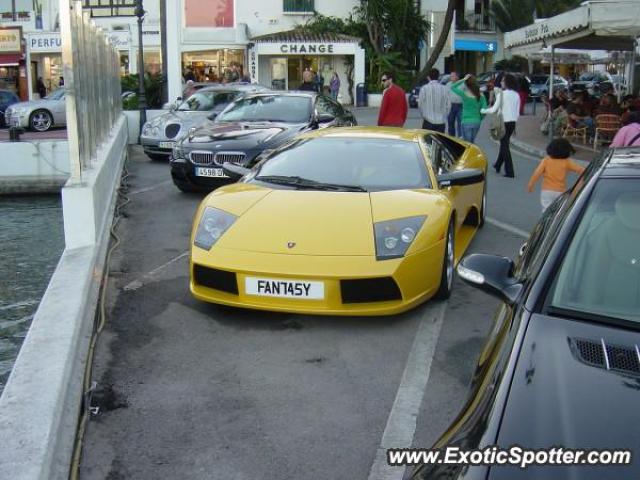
point(507, 110)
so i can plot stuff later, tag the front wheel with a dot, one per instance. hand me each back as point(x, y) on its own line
point(446, 278)
point(40, 121)
point(157, 157)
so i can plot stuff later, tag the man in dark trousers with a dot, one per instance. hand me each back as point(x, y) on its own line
point(393, 110)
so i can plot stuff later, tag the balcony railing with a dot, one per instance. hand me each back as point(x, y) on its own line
point(475, 22)
point(297, 6)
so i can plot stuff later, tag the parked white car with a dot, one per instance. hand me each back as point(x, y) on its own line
point(39, 115)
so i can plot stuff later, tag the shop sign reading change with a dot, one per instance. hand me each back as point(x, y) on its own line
point(306, 48)
point(10, 40)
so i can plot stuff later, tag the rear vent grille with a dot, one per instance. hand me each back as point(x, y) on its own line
point(217, 279)
point(619, 358)
point(172, 130)
point(369, 290)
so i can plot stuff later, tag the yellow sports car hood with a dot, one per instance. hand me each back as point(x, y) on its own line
point(309, 222)
point(299, 222)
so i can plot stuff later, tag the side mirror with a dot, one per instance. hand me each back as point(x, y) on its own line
point(325, 118)
point(461, 177)
point(213, 115)
point(492, 274)
point(233, 171)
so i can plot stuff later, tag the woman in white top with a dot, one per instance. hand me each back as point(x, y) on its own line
point(508, 100)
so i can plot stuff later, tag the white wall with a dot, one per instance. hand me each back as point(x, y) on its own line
point(259, 16)
point(34, 167)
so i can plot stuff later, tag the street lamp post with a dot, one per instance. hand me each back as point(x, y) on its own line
point(141, 92)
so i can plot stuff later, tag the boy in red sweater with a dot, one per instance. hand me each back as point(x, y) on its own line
point(393, 110)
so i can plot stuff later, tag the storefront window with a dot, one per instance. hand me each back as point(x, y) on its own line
point(222, 65)
point(152, 62)
point(124, 64)
point(9, 78)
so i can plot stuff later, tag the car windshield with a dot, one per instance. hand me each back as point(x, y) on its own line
point(56, 94)
point(600, 274)
point(539, 79)
point(369, 163)
point(204, 101)
point(268, 108)
point(585, 77)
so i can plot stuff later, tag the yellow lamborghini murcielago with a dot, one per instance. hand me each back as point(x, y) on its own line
point(348, 221)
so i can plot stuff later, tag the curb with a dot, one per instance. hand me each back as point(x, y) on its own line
point(538, 152)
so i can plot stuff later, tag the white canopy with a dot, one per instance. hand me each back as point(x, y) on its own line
point(595, 25)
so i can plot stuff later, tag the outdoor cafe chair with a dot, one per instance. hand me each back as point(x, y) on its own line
point(573, 131)
point(607, 125)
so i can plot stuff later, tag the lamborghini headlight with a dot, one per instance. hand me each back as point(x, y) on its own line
point(213, 224)
point(394, 237)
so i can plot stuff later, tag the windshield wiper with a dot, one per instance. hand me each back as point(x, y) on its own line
point(300, 182)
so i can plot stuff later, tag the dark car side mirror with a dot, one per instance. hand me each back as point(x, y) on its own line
point(233, 171)
point(492, 274)
point(461, 177)
point(213, 115)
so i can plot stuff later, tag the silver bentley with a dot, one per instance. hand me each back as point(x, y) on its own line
point(159, 135)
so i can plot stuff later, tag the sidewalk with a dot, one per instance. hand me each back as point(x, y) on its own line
point(529, 139)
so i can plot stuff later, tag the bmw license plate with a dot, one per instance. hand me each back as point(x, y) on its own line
point(210, 172)
point(278, 287)
point(166, 144)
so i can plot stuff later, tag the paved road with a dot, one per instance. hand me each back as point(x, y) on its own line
point(198, 391)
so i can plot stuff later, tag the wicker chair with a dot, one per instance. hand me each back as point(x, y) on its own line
point(573, 131)
point(607, 125)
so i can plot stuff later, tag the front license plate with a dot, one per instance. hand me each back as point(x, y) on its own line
point(166, 144)
point(277, 287)
point(210, 172)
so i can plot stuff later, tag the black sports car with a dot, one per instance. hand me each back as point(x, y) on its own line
point(561, 367)
point(252, 125)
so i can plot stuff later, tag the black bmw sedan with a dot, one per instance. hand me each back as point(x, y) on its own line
point(561, 366)
point(251, 126)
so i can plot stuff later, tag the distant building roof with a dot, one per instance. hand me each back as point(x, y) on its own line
point(298, 36)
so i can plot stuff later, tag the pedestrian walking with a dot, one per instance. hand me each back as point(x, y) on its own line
point(629, 135)
point(455, 112)
point(554, 169)
point(307, 81)
point(472, 104)
point(434, 103)
point(40, 88)
point(507, 104)
point(393, 110)
point(334, 85)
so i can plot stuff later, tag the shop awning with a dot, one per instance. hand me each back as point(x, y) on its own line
point(10, 59)
point(299, 36)
point(595, 25)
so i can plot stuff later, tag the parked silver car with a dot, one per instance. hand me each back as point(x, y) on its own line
point(159, 135)
point(39, 115)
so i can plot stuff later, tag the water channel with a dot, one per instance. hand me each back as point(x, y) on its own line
point(31, 242)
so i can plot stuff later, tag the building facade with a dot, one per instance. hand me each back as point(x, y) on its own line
point(232, 39)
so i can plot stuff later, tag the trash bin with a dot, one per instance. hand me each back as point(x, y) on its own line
point(361, 95)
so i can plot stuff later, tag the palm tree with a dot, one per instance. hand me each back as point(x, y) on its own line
point(442, 39)
point(510, 15)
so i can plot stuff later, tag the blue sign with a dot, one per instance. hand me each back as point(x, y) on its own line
point(476, 45)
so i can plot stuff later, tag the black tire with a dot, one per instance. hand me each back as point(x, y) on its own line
point(40, 120)
point(156, 157)
point(184, 186)
point(446, 277)
point(483, 205)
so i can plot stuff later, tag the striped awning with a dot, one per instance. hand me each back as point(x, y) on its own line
point(10, 59)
